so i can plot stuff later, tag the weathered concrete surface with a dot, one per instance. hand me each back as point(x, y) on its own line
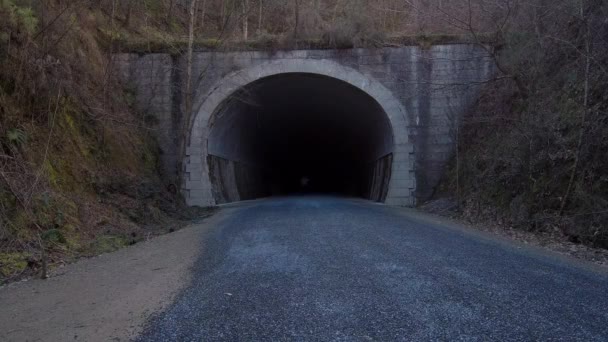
point(422, 91)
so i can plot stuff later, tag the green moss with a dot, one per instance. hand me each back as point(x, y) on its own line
point(76, 132)
point(111, 34)
point(150, 160)
point(57, 214)
point(69, 120)
point(130, 94)
point(52, 174)
point(19, 227)
point(174, 26)
point(74, 151)
point(108, 243)
point(21, 16)
point(4, 37)
point(154, 7)
point(8, 201)
point(60, 175)
point(72, 238)
point(11, 263)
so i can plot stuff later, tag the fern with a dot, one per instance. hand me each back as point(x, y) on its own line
point(16, 137)
point(22, 17)
point(27, 19)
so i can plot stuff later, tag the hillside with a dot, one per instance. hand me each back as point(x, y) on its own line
point(78, 165)
point(532, 151)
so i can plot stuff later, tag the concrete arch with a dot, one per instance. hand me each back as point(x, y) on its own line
point(197, 183)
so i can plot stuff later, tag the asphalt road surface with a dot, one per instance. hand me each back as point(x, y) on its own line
point(329, 269)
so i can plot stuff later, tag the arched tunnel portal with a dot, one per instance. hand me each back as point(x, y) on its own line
point(293, 131)
point(299, 133)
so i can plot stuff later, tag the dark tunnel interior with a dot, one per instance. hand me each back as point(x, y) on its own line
point(299, 133)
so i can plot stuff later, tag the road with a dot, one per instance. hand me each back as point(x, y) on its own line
point(322, 268)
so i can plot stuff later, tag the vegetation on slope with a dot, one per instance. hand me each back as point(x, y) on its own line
point(78, 167)
point(533, 151)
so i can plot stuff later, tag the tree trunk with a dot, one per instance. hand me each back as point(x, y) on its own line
point(245, 19)
point(223, 16)
point(189, 57)
point(538, 23)
point(417, 21)
point(581, 136)
point(170, 11)
point(260, 15)
point(203, 14)
point(128, 14)
point(186, 124)
point(297, 19)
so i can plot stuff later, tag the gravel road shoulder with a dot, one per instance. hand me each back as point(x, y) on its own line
point(107, 298)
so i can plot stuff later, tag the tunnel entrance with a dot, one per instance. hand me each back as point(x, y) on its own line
point(297, 133)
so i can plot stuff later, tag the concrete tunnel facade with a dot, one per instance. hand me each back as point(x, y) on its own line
point(264, 129)
point(376, 123)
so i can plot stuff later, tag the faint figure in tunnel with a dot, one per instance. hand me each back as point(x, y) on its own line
point(304, 182)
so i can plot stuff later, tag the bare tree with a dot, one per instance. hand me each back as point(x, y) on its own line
point(203, 14)
point(245, 6)
point(260, 16)
point(296, 19)
point(584, 112)
point(186, 124)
